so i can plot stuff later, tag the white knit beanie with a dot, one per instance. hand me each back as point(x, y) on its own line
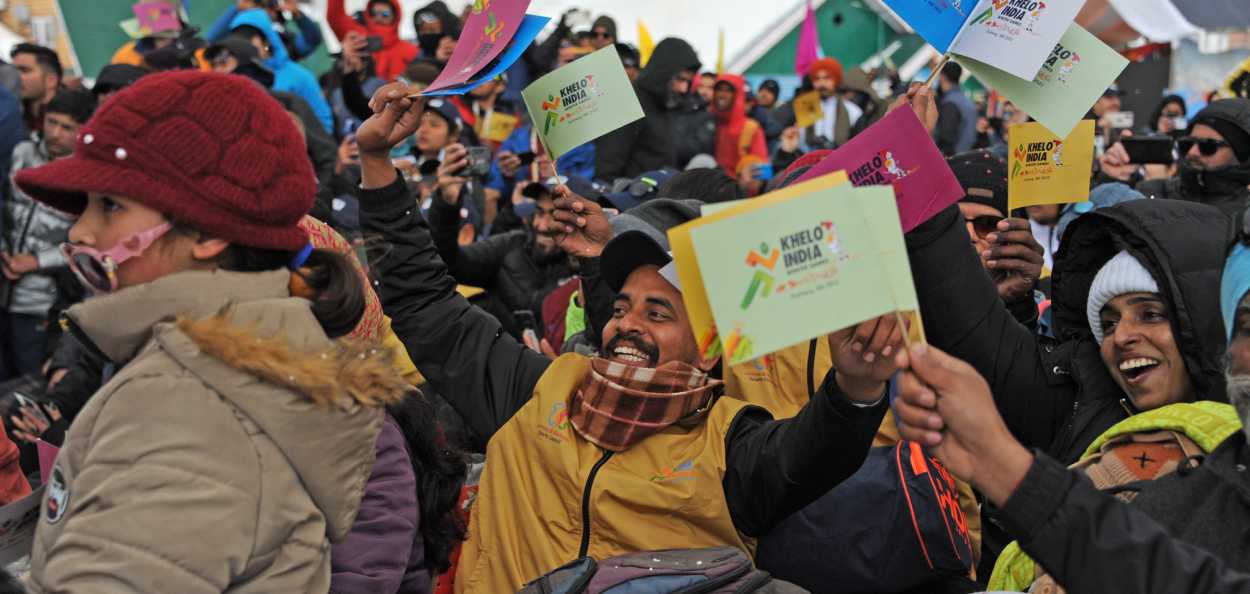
point(1121, 275)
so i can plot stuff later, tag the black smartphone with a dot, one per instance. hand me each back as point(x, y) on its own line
point(478, 162)
point(1149, 149)
point(529, 325)
point(527, 158)
point(373, 43)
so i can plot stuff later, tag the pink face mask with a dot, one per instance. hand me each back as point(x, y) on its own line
point(97, 270)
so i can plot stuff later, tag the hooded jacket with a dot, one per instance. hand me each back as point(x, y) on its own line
point(1058, 395)
point(647, 144)
point(1227, 188)
point(288, 75)
point(739, 139)
point(395, 54)
point(225, 456)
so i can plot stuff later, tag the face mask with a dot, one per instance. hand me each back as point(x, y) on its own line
point(97, 270)
point(429, 42)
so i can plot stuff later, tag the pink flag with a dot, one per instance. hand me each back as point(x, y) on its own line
point(47, 459)
point(897, 151)
point(809, 43)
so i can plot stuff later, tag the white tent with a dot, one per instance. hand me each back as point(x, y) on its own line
point(8, 39)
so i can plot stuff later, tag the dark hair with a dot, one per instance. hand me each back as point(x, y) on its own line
point(76, 104)
point(339, 294)
point(708, 75)
point(1158, 112)
point(44, 56)
point(338, 300)
point(440, 472)
point(952, 72)
point(708, 185)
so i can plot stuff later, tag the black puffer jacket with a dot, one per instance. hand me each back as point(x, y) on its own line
point(501, 264)
point(1058, 395)
point(647, 144)
point(1225, 189)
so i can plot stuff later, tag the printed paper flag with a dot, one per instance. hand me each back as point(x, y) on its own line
point(156, 17)
point(487, 31)
point(531, 26)
point(499, 126)
point(693, 293)
point(1078, 70)
point(803, 268)
point(582, 101)
point(1042, 169)
point(1016, 36)
point(937, 21)
point(20, 519)
point(807, 109)
point(897, 151)
point(47, 459)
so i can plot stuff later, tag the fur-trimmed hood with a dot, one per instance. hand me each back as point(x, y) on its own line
point(243, 337)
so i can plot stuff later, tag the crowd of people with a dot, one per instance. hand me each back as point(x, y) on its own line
point(311, 332)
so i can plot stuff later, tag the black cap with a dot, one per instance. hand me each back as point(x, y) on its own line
point(628, 251)
point(771, 85)
point(116, 77)
point(983, 178)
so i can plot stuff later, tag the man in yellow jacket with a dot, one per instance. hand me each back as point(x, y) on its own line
point(632, 450)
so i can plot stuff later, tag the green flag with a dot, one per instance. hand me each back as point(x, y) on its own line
point(1074, 75)
point(582, 101)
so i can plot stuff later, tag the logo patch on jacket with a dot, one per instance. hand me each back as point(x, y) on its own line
point(557, 423)
point(58, 496)
point(682, 472)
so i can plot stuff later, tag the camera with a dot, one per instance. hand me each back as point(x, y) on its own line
point(478, 158)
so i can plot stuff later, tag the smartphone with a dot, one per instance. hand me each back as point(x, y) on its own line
point(1149, 149)
point(529, 325)
point(478, 162)
point(24, 401)
point(762, 171)
point(373, 43)
point(527, 158)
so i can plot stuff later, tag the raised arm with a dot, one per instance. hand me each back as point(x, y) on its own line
point(460, 349)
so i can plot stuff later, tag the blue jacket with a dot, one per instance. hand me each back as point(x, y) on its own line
point(288, 76)
point(305, 39)
point(579, 161)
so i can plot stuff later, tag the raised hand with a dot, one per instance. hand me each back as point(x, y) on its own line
point(396, 116)
point(946, 406)
point(1016, 258)
point(582, 227)
point(862, 356)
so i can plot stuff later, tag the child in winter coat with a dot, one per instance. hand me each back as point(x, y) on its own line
point(232, 443)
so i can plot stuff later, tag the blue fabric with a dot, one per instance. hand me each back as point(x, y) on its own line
point(308, 36)
point(579, 161)
point(288, 76)
point(1234, 285)
point(221, 27)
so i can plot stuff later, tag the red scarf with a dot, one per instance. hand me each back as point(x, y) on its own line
point(619, 405)
point(729, 126)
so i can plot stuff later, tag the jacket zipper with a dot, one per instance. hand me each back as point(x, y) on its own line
point(590, 483)
point(68, 324)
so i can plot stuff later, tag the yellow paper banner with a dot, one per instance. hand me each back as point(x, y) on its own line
point(1043, 169)
point(807, 109)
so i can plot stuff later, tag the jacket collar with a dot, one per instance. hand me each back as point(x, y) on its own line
point(119, 324)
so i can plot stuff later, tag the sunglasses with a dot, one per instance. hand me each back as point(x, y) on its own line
point(984, 224)
point(97, 270)
point(600, 34)
point(1206, 146)
point(381, 14)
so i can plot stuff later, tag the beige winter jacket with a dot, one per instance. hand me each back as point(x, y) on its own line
point(227, 453)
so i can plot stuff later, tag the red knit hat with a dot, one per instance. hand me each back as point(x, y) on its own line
point(212, 151)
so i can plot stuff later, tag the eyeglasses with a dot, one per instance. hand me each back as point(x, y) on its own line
point(98, 269)
point(381, 14)
point(984, 224)
point(1206, 146)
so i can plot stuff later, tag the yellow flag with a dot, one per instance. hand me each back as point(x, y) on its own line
point(498, 126)
point(720, 52)
point(1043, 169)
point(645, 44)
point(808, 109)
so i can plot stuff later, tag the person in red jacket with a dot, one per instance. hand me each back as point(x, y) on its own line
point(381, 20)
point(739, 139)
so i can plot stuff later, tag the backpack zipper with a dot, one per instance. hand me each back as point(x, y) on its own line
point(590, 483)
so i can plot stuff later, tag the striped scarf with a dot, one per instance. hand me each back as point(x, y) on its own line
point(618, 405)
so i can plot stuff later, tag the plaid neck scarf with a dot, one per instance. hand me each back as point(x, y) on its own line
point(619, 405)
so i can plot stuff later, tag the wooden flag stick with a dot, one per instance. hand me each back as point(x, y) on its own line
point(937, 70)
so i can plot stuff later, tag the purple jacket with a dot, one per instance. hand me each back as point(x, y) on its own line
point(384, 554)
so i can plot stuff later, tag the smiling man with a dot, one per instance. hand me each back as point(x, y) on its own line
point(632, 450)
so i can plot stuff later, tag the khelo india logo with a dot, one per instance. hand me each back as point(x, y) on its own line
point(1059, 65)
point(682, 472)
point(557, 423)
point(1011, 16)
point(802, 251)
point(490, 34)
point(882, 169)
point(575, 101)
point(493, 25)
point(1037, 158)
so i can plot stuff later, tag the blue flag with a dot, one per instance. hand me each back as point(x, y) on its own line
point(937, 21)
